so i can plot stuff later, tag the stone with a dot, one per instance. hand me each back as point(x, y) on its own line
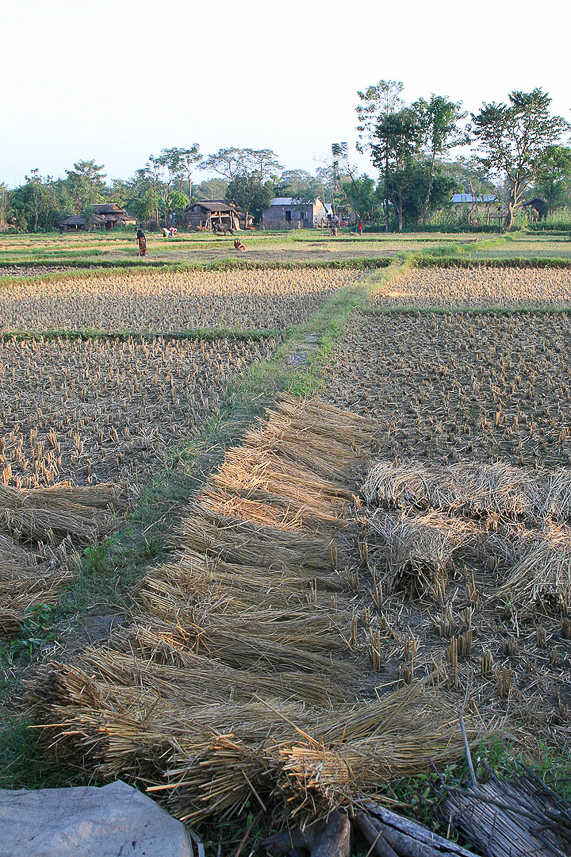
point(112, 821)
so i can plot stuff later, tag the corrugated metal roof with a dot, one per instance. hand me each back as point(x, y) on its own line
point(470, 197)
point(289, 200)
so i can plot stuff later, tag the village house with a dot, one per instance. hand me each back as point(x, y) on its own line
point(106, 215)
point(285, 212)
point(215, 214)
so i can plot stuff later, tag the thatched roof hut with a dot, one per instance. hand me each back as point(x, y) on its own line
point(106, 215)
point(214, 214)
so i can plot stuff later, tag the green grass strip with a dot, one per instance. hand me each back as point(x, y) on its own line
point(207, 333)
point(429, 261)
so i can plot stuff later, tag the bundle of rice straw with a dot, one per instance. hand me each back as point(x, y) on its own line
point(412, 483)
point(25, 581)
point(369, 746)
point(418, 551)
point(553, 494)
point(82, 513)
point(541, 577)
point(236, 668)
point(476, 490)
point(498, 488)
point(248, 543)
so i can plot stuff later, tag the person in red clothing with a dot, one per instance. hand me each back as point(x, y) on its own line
point(142, 242)
point(360, 228)
point(238, 244)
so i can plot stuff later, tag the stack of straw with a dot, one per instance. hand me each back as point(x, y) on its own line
point(418, 551)
point(60, 516)
point(541, 575)
point(236, 681)
point(475, 490)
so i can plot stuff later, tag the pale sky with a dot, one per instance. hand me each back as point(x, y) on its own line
point(117, 80)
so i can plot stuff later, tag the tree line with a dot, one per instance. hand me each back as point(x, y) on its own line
point(508, 149)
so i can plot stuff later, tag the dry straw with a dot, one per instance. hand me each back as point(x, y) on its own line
point(57, 517)
point(236, 681)
point(418, 551)
point(541, 578)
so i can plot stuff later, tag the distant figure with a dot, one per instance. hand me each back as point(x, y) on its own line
point(360, 228)
point(142, 242)
point(238, 244)
point(165, 232)
point(535, 214)
point(172, 231)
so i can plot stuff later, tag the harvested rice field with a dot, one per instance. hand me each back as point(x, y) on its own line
point(450, 388)
point(478, 287)
point(163, 301)
point(99, 410)
point(305, 650)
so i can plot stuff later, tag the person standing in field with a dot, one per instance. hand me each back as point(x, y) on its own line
point(142, 242)
point(360, 228)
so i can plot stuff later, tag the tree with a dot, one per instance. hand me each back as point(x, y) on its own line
point(552, 170)
point(37, 187)
point(250, 194)
point(299, 185)
point(185, 160)
point(86, 184)
point(397, 138)
point(361, 195)
point(211, 189)
point(416, 178)
point(438, 120)
point(233, 162)
point(4, 203)
point(144, 205)
point(514, 138)
point(378, 102)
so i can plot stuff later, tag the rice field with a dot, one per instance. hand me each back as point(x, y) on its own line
point(460, 387)
point(95, 410)
point(162, 301)
point(477, 288)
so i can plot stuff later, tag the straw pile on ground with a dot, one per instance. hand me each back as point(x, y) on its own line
point(38, 529)
point(541, 577)
point(523, 519)
point(475, 490)
point(237, 680)
point(418, 551)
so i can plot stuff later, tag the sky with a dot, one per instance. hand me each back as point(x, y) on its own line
point(118, 80)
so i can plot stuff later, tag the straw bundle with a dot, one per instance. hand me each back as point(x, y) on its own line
point(235, 681)
point(253, 544)
point(542, 576)
point(481, 489)
point(83, 514)
point(418, 551)
point(411, 483)
point(24, 583)
point(554, 494)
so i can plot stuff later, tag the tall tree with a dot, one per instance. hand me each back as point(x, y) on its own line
point(232, 162)
point(189, 158)
point(552, 170)
point(250, 194)
point(86, 184)
point(397, 138)
point(378, 102)
point(440, 132)
point(514, 137)
point(37, 187)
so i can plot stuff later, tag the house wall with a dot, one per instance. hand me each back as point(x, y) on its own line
point(274, 217)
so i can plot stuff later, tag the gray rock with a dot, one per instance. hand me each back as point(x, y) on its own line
point(112, 821)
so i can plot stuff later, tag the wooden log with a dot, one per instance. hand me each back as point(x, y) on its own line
point(328, 838)
point(411, 839)
point(373, 835)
